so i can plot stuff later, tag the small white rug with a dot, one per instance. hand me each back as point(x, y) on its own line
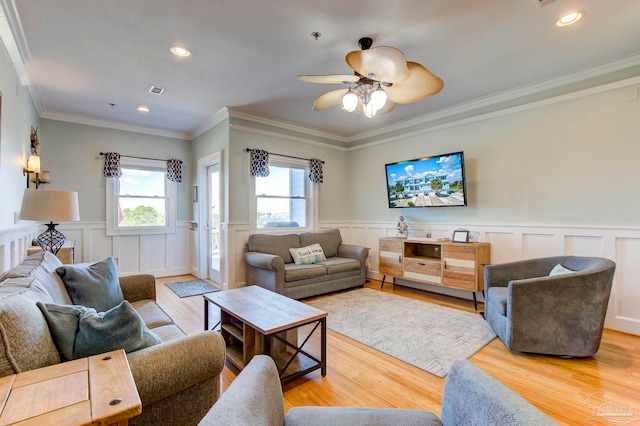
point(430, 337)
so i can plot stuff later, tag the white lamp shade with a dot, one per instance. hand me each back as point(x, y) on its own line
point(379, 97)
point(33, 164)
point(50, 206)
point(350, 101)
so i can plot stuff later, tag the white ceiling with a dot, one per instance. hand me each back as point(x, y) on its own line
point(81, 55)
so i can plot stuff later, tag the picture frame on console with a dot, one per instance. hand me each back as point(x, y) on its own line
point(460, 237)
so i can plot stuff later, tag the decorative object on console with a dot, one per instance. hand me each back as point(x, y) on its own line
point(404, 82)
point(460, 236)
point(44, 205)
point(403, 228)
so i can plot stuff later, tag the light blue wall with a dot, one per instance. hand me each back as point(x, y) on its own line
point(71, 153)
point(18, 114)
point(572, 163)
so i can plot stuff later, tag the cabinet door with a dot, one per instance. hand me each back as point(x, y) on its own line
point(459, 267)
point(390, 258)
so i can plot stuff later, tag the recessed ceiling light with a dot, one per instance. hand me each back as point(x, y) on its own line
point(143, 108)
point(570, 18)
point(180, 51)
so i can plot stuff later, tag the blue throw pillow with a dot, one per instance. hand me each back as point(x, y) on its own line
point(94, 286)
point(79, 332)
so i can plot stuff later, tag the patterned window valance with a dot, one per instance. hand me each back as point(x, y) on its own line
point(260, 164)
point(112, 168)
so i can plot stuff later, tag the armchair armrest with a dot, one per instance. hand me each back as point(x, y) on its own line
point(500, 274)
point(253, 398)
point(138, 287)
point(352, 251)
point(171, 367)
point(264, 261)
point(320, 416)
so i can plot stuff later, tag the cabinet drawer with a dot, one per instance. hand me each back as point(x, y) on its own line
point(394, 246)
point(423, 270)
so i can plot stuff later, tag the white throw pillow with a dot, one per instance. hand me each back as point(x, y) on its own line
point(307, 255)
point(559, 270)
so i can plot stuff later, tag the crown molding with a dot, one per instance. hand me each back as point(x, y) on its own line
point(531, 105)
point(505, 96)
point(13, 39)
point(116, 126)
point(287, 125)
point(210, 123)
point(248, 129)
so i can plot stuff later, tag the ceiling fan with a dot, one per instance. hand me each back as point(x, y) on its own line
point(381, 78)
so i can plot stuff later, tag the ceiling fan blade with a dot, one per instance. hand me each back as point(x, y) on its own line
point(329, 99)
point(329, 78)
point(381, 63)
point(420, 85)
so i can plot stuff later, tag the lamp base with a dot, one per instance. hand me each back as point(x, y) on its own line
point(51, 240)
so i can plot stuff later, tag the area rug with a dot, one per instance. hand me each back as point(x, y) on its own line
point(190, 288)
point(427, 336)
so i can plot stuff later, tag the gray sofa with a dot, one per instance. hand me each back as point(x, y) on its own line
point(270, 264)
point(471, 397)
point(554, 315)
point(178, 380)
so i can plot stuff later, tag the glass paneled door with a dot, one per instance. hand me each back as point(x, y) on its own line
point(213, 222)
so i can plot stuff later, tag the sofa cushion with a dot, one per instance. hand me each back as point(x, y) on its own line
point(94, 286)
point(41, 266)
point(79, 331)
point(329, 240)
point(498, 297)
point(307, 255)
point(151, 313)
point(26, 343)
point(169, 332)
point(336, 265)
point(274, 244)
point(293, 272)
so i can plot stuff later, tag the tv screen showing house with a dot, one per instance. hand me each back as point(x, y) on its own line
point(436, 181)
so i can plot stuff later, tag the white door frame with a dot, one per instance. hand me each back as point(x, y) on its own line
point(203, 238)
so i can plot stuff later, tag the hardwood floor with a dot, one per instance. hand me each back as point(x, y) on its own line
point(568, 390)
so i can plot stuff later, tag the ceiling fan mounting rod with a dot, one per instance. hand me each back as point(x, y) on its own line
point(365, 43)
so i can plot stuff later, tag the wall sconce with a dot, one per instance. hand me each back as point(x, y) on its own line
point(39, 179)
point(33, 166)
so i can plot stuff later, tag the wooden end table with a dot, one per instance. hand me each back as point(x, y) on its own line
point(98, 390)
point(253, 317)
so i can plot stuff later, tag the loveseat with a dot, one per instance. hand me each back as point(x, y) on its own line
point(271, 265)
point(178, 379)
point(471, 397)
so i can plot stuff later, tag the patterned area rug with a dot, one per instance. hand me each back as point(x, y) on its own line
point(190, 288)
point(427, 336)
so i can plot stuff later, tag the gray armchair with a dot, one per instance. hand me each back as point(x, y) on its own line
point(471, 397)
point(559, 315)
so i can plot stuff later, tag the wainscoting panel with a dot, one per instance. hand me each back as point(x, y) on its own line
point(538, 245)
point(505, 247)
point(578, 245)
point(153, 253)
point(626, 298)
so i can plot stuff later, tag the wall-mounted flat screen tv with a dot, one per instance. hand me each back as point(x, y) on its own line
point(436, 181)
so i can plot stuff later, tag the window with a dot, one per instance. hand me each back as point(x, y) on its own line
point(142, 200)
point(285, 198)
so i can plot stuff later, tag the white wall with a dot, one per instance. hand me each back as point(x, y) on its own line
point(17, 115)
point(569, 163)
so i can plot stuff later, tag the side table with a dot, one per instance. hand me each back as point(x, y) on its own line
point(98, 390)
point(66, 254)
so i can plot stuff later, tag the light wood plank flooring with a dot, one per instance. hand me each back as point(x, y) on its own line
point(568, 390)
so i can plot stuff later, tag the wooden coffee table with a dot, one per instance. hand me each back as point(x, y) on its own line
point(252, 318)
point(98, 390)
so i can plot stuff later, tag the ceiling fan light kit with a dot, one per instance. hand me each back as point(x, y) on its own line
point(382, 78)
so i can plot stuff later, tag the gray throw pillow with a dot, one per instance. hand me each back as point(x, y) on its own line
point(95, 286)
point(79, 332)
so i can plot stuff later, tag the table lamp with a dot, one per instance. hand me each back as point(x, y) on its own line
point(46, 205)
